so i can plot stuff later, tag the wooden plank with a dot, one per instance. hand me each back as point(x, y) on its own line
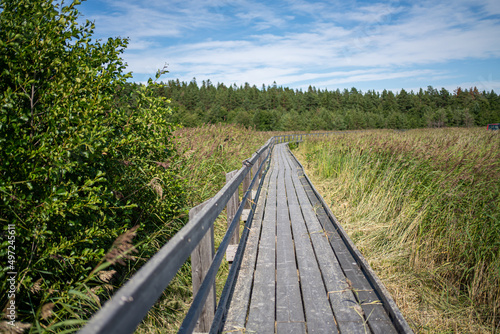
point(319, 315)
point(341, 297)
point(262, 305)
point(262, 159)
point(237, 313)
point(231, 253)
point(365, 292)
point(255, 167)
point(245, 214)
point(366, 296)
point(196, 307)
point(201, 259)
point(323, 281)
point(290, 327)
point(288, 297)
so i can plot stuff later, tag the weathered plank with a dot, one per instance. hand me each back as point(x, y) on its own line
point(389, 305)
point(288, 298)
point(255, 167)
point(299, 274)
point(246, 184)
point(319, 315)
point(237, 313)
point(262, 305)
point(341, 296)
point(201, 259)
point(291, 327)
point(231, 253)
point(377, 317)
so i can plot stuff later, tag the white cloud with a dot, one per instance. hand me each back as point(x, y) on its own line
point(326, 43)
point(370, 75)
point(373, 14)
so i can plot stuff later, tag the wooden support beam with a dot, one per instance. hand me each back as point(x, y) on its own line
point(231, 208)
point(255, 167)
point(261, 159)
point(201, 259)
point(246, 183)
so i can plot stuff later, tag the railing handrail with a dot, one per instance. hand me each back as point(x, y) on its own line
point(199, 300)
point(130, 304)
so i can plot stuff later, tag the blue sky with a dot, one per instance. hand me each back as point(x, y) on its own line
point(297, 43)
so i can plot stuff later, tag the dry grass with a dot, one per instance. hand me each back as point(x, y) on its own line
point(208, 153)
point(423, 208)
point(211, 151)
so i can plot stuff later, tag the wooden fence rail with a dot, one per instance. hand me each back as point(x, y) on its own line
point(130, 304)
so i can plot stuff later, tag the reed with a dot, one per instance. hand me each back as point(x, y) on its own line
point(210, 151)
point(424, 207)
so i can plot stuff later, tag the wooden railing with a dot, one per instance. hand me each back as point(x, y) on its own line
point(130, 304)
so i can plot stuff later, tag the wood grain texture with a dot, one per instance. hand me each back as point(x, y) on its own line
point(201, 259)
point(340, 295)
point(261, 316)
point(368, 297)
point(244, 186)
point(289, 306)
point(319, 315)
point(237, 313)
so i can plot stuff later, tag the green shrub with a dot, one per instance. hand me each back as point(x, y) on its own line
point(75, 171)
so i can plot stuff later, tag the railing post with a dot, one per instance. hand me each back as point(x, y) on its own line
point(244, 185)
point(201, 259)
point(261, 159)
point(231, 208)
point(255, 168)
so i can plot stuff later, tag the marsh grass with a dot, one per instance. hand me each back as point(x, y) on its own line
point(423, 207)
point(208, 153)
point(211, 151)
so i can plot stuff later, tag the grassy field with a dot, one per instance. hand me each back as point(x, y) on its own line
point(423, 206)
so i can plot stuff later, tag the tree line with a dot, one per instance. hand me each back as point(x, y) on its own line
point(284, 109)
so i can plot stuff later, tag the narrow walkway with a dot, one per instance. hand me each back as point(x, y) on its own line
point(297, 274)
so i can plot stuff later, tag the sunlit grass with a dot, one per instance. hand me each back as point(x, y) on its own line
point(423, 207)
point(208, 153)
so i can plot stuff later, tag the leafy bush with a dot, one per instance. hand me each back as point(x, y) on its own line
point(76, 172)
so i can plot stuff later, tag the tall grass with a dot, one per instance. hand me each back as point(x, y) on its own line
point(424, 208)
point(208, 153)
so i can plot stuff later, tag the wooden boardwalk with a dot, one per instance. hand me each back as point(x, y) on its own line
point(298, 273)
point(295, 269)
